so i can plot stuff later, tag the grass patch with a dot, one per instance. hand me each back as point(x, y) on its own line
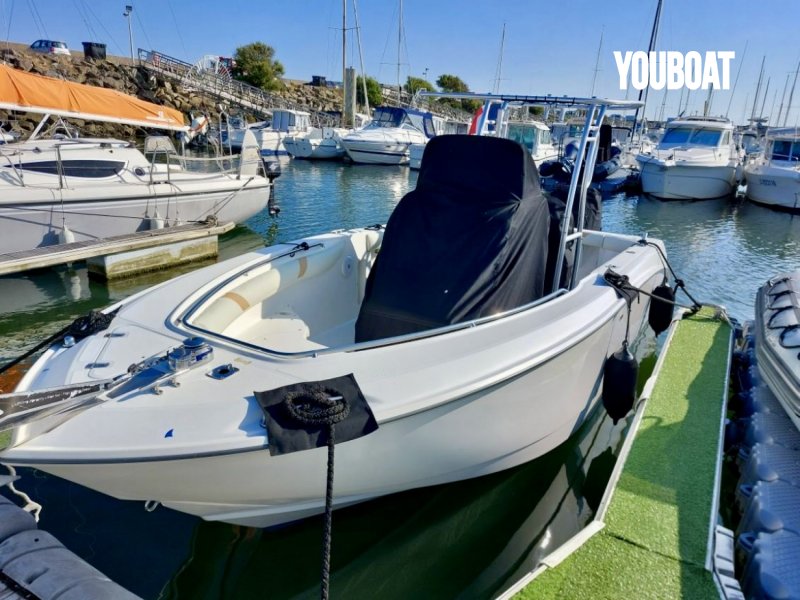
point(654, 542)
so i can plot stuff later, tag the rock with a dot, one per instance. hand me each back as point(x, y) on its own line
point(25, 64)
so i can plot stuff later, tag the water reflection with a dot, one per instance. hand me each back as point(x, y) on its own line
point(470, 539)
point(723, 249)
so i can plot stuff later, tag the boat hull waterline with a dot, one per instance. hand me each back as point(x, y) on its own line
point(686, 182)
point(778, 188)
point(533, 378)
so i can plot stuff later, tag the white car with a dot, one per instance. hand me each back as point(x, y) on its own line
point(50, 47)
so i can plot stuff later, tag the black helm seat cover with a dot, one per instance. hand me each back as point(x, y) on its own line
point(468, 242)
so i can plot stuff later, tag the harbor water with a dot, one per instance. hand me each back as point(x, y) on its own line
point(470, 539)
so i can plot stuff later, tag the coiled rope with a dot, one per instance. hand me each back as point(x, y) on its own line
point(323, 406)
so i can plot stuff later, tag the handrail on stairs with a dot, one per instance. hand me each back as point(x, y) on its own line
point(225, 88)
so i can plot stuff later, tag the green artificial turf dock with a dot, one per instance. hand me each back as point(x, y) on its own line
point(656, 529)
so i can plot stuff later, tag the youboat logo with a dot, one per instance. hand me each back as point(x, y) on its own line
point(674, 70)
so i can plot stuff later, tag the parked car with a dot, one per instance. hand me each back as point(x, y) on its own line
point(50, 47)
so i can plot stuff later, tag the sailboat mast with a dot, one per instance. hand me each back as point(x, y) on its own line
point(500, 61)
point(758, 89)
point(650, 48)
point(772, 110)
point(764, 99)
point(783, 97)
point(361, 56)
point(597, 61)
point(344, 56)
point(735, 81)
point(791, 95)
point(399, 46)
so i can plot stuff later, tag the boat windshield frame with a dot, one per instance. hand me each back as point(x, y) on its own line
point(787, 155)
point(385, 117)
point(699, 137)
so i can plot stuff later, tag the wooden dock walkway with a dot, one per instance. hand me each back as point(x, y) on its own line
point(49, 256)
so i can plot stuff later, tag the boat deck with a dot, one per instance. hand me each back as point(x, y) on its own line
point(49, 256)
point(653, 540)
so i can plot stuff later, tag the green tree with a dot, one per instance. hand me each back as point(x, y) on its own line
point(256, 65)
point(415, 84)
point(453, 83)
point(374, 92)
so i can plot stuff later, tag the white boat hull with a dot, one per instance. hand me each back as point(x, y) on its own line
point(270, 142)
point(95, 202)
point(690, 182)
point(451, 406)
point(377, 152)
point(415, 152)
point(313, 149)
point(774, 187)
point(27, 224)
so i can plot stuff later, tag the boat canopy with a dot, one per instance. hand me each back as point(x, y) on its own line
point(32, 93)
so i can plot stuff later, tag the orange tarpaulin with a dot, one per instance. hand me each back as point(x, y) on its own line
point(45, 95)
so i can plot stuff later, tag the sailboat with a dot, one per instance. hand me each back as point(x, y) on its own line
point(465, 337)
point(73, 189)
point(394, 130)
point(324, 143)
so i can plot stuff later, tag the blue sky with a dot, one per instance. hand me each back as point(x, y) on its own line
point(550, 47)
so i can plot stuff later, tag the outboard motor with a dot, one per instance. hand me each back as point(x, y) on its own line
point(272, 170)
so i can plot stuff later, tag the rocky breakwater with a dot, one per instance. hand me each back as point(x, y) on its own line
point(139, 81)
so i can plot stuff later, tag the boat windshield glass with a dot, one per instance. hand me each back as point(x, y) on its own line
point(523, 134)
point(688, 135)
point(786, 150)
point(575, 130)
point(387, 118)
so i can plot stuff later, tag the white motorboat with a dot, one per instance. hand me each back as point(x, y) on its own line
point(318, 143)
point(777, 339)
point(773, 178)
point(535, 136)
point(387, 138)
point(442, 126)
point(60, 190)
point(695, 159)
point(269, 134)
point(472, 355)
